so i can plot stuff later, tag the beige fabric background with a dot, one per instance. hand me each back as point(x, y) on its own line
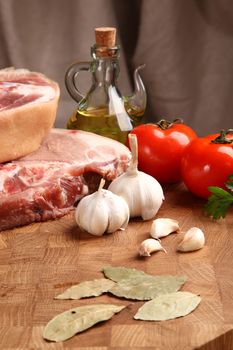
point(187, 46)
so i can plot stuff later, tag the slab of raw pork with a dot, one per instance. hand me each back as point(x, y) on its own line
point(47, 183)
point(28, 106)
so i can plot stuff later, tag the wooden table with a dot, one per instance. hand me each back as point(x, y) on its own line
point(39, 261)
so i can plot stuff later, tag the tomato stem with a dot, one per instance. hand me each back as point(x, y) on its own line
point(222, 138)
point(165, 124)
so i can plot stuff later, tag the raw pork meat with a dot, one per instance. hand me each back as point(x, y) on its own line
point(47, 183)
point(28, 106)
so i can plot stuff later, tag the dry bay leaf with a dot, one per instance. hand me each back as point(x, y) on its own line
point(168, 306)
point(87, 289)
point(76, 320)
point(147, 287)
point(120, 273)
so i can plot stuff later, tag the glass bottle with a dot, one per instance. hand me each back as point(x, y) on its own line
point(103, 110)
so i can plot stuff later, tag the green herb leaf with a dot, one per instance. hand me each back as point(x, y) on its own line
point(220, 200)
point(229, 184)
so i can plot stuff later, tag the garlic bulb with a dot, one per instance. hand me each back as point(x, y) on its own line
point(142, 192)
point(150, 245)
point(163, 227)
point(194, 239)
point(102, 211)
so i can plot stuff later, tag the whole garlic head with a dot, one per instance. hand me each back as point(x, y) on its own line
point(102, 212)
point(142, 192)
point(194, 239)
point(162, 227)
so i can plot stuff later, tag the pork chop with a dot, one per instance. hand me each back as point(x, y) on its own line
point(47, 183)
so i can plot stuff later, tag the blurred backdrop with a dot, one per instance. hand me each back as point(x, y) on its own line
point(187, 46)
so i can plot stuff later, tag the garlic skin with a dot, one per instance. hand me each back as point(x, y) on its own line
point(150, 245)
point(143, 193)
point(163, 227)
point(102, 212)
point(194, 239)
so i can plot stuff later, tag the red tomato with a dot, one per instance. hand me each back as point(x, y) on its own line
point(207, 164)
point(160, 149)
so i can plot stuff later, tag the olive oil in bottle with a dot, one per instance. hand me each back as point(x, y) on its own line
point(103, 110)
point(99, 122)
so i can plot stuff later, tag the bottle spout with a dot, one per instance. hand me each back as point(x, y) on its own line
point(136, 103)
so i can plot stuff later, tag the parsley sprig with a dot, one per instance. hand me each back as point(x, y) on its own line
point(220, 200)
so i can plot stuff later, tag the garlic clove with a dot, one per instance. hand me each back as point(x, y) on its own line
point(194, 239)
point(163, 227)
point(149, 246)
point(92, 215)
point(118, 213)
point(151, 194)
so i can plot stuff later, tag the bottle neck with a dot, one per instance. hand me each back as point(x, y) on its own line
point(105, 65)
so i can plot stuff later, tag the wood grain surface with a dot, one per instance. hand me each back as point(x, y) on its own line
point(39, 261)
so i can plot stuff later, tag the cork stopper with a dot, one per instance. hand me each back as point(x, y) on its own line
point(105, 36)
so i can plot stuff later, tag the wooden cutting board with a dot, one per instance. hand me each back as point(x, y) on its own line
point(39, 261)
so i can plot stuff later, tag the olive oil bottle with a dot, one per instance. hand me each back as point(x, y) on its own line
point(103, 110)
